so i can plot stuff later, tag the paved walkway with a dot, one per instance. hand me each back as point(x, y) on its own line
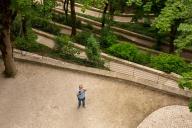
point(51, 44)
point(98, 14)
point(45, 41)
point(44, 97)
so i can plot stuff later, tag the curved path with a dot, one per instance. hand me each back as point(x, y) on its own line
point(51, 44)
point(98, 14)
point(45, 97)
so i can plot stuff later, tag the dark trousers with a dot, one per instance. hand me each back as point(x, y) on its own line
point(81, 100)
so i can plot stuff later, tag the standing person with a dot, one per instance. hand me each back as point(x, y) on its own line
point(81, 96)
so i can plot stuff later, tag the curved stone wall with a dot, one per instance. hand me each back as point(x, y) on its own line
point(169, 117)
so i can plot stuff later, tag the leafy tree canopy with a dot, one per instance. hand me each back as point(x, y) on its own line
point(177, 12)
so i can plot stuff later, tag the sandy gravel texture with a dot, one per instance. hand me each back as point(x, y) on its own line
point(45, 97)
point(46, 41)
point(169, 117)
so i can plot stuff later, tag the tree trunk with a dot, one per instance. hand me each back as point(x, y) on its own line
point(23, 28)
point(173, 35)
point(172, 38)
point(171, 46)
point(111, 10)
point(104, 15)
point(111, 13)
point(24, 25)
point(7, 54)
point(44, 13)
point(122, 5)
point(73, 18)
point(5, 41)
point(65, 8)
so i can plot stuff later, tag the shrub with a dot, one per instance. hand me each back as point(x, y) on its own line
point(107, 38)
point(93, 51)
point(62, 40)
point(169, 63)
point(82, 37)
point(143, 58)
point(147, 22)
point(78, 22)
point(190, 105)
point(129, 52)
point(45, 25)
point(124, 50)
point(88, 27)
point(138, 28)
point(17, 26)
point(28, 43)
point(62, 20)
point(186, 80)
point(65, 47)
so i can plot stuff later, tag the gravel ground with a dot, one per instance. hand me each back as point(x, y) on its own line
point(169, 117)
point(44, 97)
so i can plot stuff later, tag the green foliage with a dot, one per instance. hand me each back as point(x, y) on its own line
point(16, 26)
point(186, 80)
point(89, 17)
point(176, 14)
point(88, 27)
point(190, 105)
point(129, 52)
point(135, 27)
point(45, 25)
point(167, 17)
point(93, 51)
point(169, 63)
point(138, 28)
point(82, 37)
point(23, 7)
point(143, 58)
point(29, 9)
point(142, 8)
point(28, 43)
point(95, 3)
point(65, 50)
point(107, 38)
point(62, 20)
point(44, 9)
point(124, 50)
point(154, 6)
point(137, 2)
point(184, 40)
point(65, 47)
